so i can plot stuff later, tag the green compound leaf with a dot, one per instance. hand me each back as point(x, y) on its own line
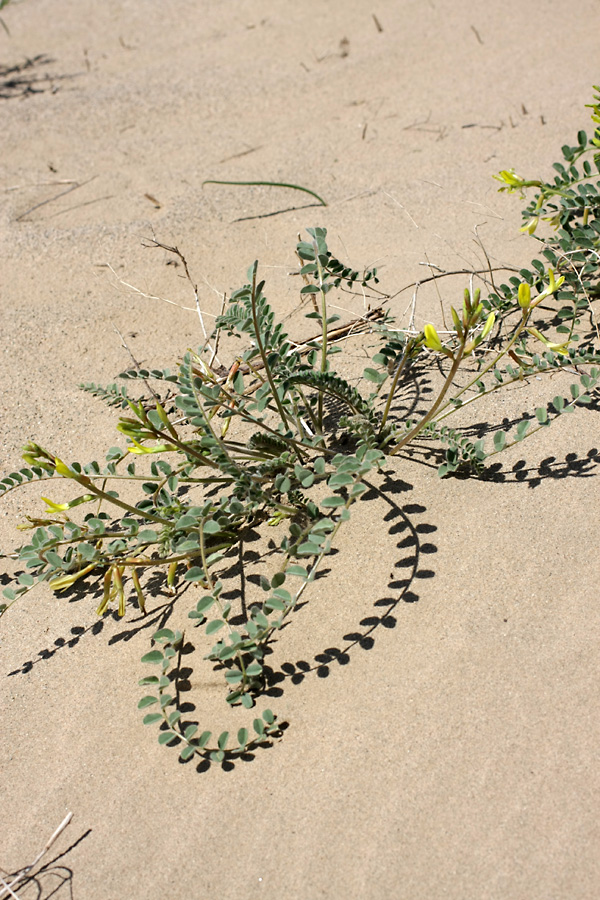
point(211, 527)
point(339, 480)
point(308, 549)
point(274, 603)
point(233, 676)
point(165, 736)
point(333, 502)
point(147, 701)
point(164, 634)
point(278, 579)
point(26, 579)
point(500, 440)
point(154, 656)
point(151, 718)
point(187, 752)
point(374, 376)
point(300, 571)
point(195, 574)
point(260, 618)
point(205, 603)
point(204, 738)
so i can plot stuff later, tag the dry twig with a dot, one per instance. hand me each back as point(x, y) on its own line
point(25, 873)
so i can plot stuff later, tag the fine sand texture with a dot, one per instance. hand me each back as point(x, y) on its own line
point(442, 682)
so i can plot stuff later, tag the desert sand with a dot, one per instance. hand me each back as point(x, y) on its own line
point(453, 754)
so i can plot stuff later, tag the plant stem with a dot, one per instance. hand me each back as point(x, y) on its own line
point(324, 338)
point(399, 369)
point(495, 361)
point(86, 482)
point(211, 588)
point(445, 388)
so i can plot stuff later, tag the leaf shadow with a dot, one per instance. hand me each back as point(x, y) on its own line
point(413, 546)
point(29, 77)
point(411, 549)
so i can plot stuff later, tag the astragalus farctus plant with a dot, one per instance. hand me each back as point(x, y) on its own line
point(277, 438)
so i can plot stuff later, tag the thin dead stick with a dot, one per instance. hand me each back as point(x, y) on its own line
point(61, 212)
point(136, 290)
point(8, 888)
point(74, 186)
point(346, 310)
point(403, 208)
point(437, 290)
point(24, 873)
point(181, 257)
point(336, 334)
point(55, 183)
point(242, 153)
point(218, 337)
point(137, 364)
point(444, 274)
point(487, 259)
point(413, 309)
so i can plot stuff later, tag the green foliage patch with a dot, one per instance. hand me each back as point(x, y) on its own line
point(226, 452)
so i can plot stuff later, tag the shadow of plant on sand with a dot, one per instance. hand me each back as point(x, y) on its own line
point(278, 447)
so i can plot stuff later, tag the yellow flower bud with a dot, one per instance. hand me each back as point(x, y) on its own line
point(553, 286)
point(556, 348)
point(488, 325)
point(138, 589)
point(432, 339)
point(457, 322)
point(61, 468)
point(524, 295)
point(66, 581)
point(530, 225)
point(61, 507)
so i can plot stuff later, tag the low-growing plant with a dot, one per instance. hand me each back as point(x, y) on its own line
point(279, 438)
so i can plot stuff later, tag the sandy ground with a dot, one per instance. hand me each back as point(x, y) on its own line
point(455, 753)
